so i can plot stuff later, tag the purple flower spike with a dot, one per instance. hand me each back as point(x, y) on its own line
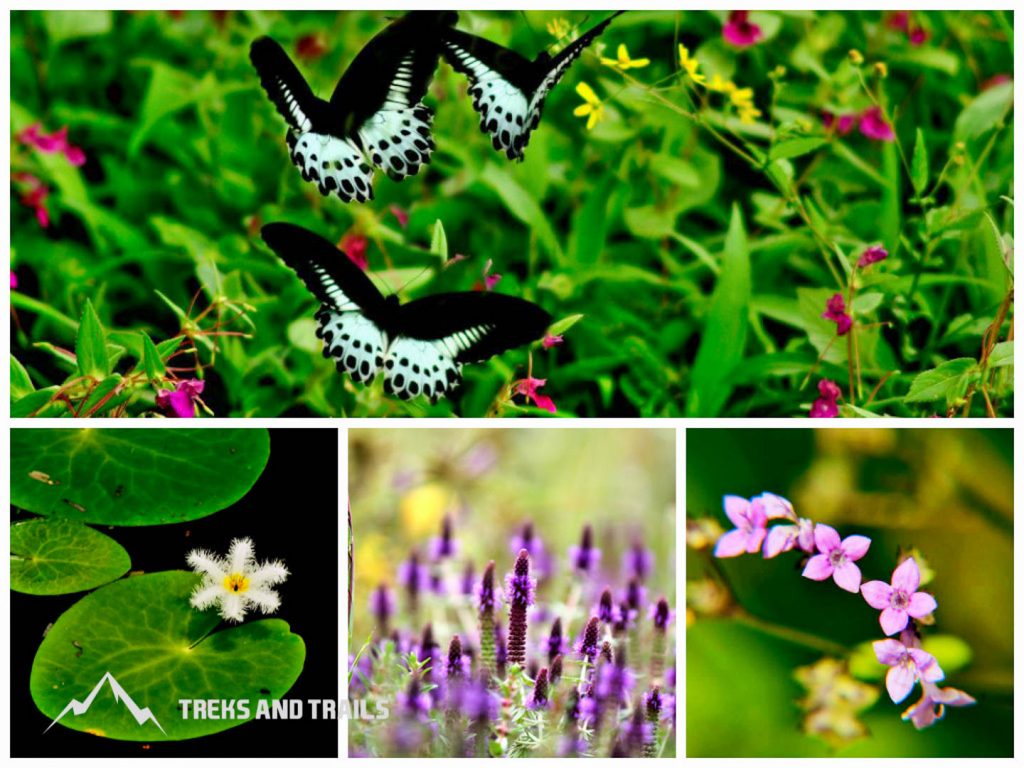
point(468, 580)
point(872, 255)
point(906, 667)
point(588, 643)
point(519, 595)
point(605, 607)
point(635, 595)
point(749, 517)
point(556, 641)
point(413, 702)
point(528, 539)
point(637, 562)
point(413, 576)
point(445, 545)
point(836, 558)
point(556, 669)
point(661, 614)
point(382, 606)
point(586, 556)
point(539, 699)
point(456, 661)
point(899, 601)
point(932, 704)
point(487, 598)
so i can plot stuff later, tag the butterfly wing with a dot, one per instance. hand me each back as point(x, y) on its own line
point(351, 306)
point(331, 159)
point(379, 98)
point(438, 334)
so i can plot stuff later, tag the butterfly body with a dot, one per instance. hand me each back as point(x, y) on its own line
point(419, 346)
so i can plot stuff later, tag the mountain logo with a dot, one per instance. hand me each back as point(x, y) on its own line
point(77, 707)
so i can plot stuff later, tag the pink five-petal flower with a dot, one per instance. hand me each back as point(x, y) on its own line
point(528, 388)
point(899, 601)
point(782, 538)
point(825, 407)
point(906, 667)
point(740, 31)
point(873, 125)
point(181, 399)
point(749, 518)
point(872, 255)
point(933, 702)
point(836, 557)
point(835, 310)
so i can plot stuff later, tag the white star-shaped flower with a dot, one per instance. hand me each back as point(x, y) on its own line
point(236, 583)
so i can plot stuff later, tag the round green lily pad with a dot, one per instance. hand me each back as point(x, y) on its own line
point(56, 557)
point(137, 645)
point(134, 476)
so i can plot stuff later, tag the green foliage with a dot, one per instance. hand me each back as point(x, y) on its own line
point(55, 557)
point(155, 238)
point(141, 477)
point(143, 631)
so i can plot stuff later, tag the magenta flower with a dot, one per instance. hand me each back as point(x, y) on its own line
point(899, 20)
point(933, 702)
point(899, 601)
point(740, 32)
point(836, 558)
point(551, 341)
point(918, 36)
point(53, 143)
point(749, 517)
point(907, 666)
point(835, 310)
point(14, 280)
point(839, 124)
point(181, 400)
point(33, 194)
point(488, 280)
point(872, 255)
point(354, 247)
point(873, 125)
point(825, 407)
point(528, 388)
point(401, 215)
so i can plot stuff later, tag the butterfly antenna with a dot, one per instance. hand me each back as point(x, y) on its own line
point(411, 280)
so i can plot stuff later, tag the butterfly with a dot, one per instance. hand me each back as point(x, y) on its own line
point(420, 346)
point(508, 90)
point(375, 116)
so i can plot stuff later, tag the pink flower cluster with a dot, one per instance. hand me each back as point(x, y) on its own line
point(871, 123)
point(835, 310)
point(826, 406)
point(831, 557)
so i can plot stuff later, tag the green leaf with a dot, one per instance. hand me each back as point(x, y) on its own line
point(134, 477)
point(143, 633)
point(522, 206)
point(919, 165)
point(57, 557)
point(561, 326)
point(725, 333)
point(63, 25)
point(91, 345)
point(102, 398)
point(795, 148)
point(151, 360)
point(676, 170)
point(21, 382)
point(38, 404)
point(952, 653)
point(1001, 355)
point(948, 381)
point(650, 221)
point(439, 242)
point(985, 112)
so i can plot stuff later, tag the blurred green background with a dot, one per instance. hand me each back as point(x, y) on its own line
point(403, 482)
point(625, 225)
point(949, 493)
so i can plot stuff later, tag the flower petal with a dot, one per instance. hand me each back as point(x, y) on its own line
point(921, 604)
point(205, 596)
point(587, 93)
point(847, 576)
point(757, 515)
point(927, 667)
point(777, 506)
point(876, 594)
point(856, 547)
point(826, 538)
point(268, 574)
point(889, 651)
point(754, 539)
point(202, 561)
point(953, 697)
point(893, 620)
point(818, 568)
point(907, 576)
point(266, 600)
point(899, 681)
point(781, 538)
point(240, 556)
point(731, 544)
point(737, 509)
point(231, 607)
point(922, 714)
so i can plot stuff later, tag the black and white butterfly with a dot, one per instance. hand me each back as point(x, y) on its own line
point(419, 346)
point(508, 90)
point(375, 116)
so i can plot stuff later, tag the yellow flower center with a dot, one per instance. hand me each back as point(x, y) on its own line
point(236, 582)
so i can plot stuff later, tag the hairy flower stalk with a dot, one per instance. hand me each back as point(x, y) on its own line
point(662, 615)
point(539, 698)
point(555, 673)
point(652, 709)
point(500, 651)
point(519, 595)
point(486, 602)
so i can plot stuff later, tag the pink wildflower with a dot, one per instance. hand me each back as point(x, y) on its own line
point(401, 215)
point(181, 399)
point(872, 255)
point(835, 310)
point(825, 406)
point(354, 247)
point(528, 388)
point(899, 601)
point(750, 518)
point(838, 124)
point(53, 143)
point(933, 702)
point(907, 666)
point(874, 126)
point(836, 558)
point(740, 31)
point(551, 341)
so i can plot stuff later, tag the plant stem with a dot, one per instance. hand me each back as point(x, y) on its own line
point(795, 636)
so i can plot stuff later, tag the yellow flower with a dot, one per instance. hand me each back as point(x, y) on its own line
point(881, 69)
point(623, 62)
point(592, 108)
point(558, 28)
point(690, 65)
point(856, 57)
point(749, 114)
point(718, 85)
point(742, 97)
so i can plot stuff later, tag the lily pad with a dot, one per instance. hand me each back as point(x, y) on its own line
point(134, 476)
point(141, 637)
point(56, 557)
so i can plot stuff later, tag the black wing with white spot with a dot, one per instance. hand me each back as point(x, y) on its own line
point(508, 90)
point(286, 86)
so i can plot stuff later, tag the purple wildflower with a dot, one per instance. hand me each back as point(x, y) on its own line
point(586, 556)
point(587, 644)
point(467, 586)
point(362, 671)
point(636, 733)
point(519, 595)
point(825, 407)
point(783, 538)
point(872, 255)
point(182, 399)
point(528, 539)
point(539, 698)
point(615, 681)
point(382, 607)
point(556, 641)
point(899, 601)
point(556, 669)
point(835, 311)
point(414, 578)
point(500, 650)
point(906, 667)
point(605, 607)
point(413, 702)
point(836, 558)
point(637, 561)
point(662, 615)
point(931, 706)
point(749, 517)
point(445, 545)
point(635, 595)
point(456, 666)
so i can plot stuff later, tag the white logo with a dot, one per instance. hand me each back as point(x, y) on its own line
point(81, 707)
